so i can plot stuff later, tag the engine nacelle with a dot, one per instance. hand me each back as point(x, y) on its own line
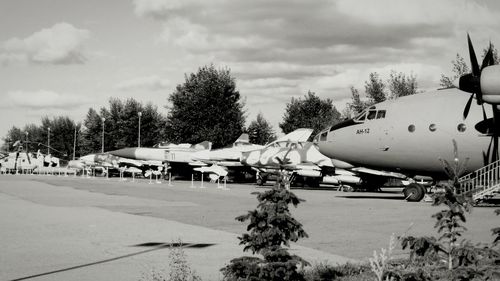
point(490, 84)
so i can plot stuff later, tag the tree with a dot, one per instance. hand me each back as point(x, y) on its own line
point(356, 105)
point(62, 130)
point(13, 135)
point(310, 112)
point(121, 126)
point(459, 68)
point(401, 85)
point(260, 131)
point(91, 132)
point(271, 228)
point(206, 107)
point(375, 89)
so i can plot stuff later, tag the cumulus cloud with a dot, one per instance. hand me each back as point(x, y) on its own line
point(151, 83)
point(42, 99)
point(59, 44)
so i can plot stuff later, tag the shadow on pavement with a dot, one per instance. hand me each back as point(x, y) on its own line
point(156, 245)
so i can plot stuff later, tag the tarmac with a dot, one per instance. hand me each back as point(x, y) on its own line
point(66, 228)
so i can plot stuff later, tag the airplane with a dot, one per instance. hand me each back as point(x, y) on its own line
point(106, 162)
point(411, 135)
point(293, 153)
point(177, 156)
point(225, 160)
point(30, 162)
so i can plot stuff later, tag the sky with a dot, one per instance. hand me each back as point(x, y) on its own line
point(62, 57)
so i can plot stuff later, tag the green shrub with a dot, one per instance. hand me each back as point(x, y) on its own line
point(271, 228)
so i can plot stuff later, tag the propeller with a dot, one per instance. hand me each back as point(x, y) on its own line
point(471, 82)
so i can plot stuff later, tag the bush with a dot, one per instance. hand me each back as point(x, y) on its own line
point(271, 228)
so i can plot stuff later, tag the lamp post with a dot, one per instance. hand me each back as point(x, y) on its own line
point(102, 148)
point(27, 144)
point(74, 144)
point(48, 141)
point(139, 135)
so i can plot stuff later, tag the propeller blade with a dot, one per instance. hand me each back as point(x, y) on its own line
point(467, 106)
point(488, 58)
point(486, 156)
point(473, 59)
point(484, 112)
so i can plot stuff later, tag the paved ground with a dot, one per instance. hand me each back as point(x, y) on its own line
point(87, 228)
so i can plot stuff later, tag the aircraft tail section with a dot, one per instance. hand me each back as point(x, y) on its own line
point(299, 135)
point(243, 138)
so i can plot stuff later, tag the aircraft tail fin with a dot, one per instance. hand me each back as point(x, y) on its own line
point(243, 138)
point(299, 135)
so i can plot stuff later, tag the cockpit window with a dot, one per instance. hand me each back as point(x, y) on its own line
point(371, 114)
point(323, 136)
point(361, 117)
point(381, 114)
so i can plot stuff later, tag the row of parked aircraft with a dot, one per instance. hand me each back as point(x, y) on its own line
point(405, 138)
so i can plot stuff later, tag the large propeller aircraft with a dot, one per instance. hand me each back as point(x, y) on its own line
point(411, 135)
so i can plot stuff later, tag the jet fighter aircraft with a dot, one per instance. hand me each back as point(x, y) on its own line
point(293, 153)
point(178, 156)
point(225, 160)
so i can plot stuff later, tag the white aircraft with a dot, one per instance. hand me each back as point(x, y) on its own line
point(226, 159)
point(411, 134)
point(178, 156)
point(291, 152)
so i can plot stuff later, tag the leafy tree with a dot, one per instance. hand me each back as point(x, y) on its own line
point(459, 68)
point(62, 130)
point(121, 125)
point(310, 112)
point(91, 132)
point(375, 89)
point(13, 135)
point(401, 85)
point(260, 131)
point(356, 105)
point(206, 106)
point(271, 227)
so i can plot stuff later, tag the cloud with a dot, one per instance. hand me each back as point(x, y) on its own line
point(151, 83)
point(43, 99)
point(59, 44)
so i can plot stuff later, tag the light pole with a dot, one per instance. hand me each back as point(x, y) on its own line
point(103, 119)
point(74, 144)
point(139, 135)
point(27, 144)
point(48, 141)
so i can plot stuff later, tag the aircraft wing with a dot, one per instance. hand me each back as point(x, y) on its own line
point(299, 135)
point(364, 170)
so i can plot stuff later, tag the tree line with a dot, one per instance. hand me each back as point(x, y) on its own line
point(206, 106)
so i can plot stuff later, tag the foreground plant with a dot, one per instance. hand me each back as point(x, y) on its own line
point(271, 228)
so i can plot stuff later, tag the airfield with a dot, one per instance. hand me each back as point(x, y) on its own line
point(74, 228)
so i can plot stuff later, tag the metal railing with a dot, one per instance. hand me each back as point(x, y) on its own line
point(479, 182)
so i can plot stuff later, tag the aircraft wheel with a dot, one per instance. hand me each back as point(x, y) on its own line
point(260, 181)
point(414, 192)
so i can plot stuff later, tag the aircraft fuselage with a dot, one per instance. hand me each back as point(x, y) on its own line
point(410, 135)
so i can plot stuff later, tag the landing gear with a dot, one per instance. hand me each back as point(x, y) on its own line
point(261, 179)
point(414, 192)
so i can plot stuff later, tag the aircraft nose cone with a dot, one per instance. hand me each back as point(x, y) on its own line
point(128, 152)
